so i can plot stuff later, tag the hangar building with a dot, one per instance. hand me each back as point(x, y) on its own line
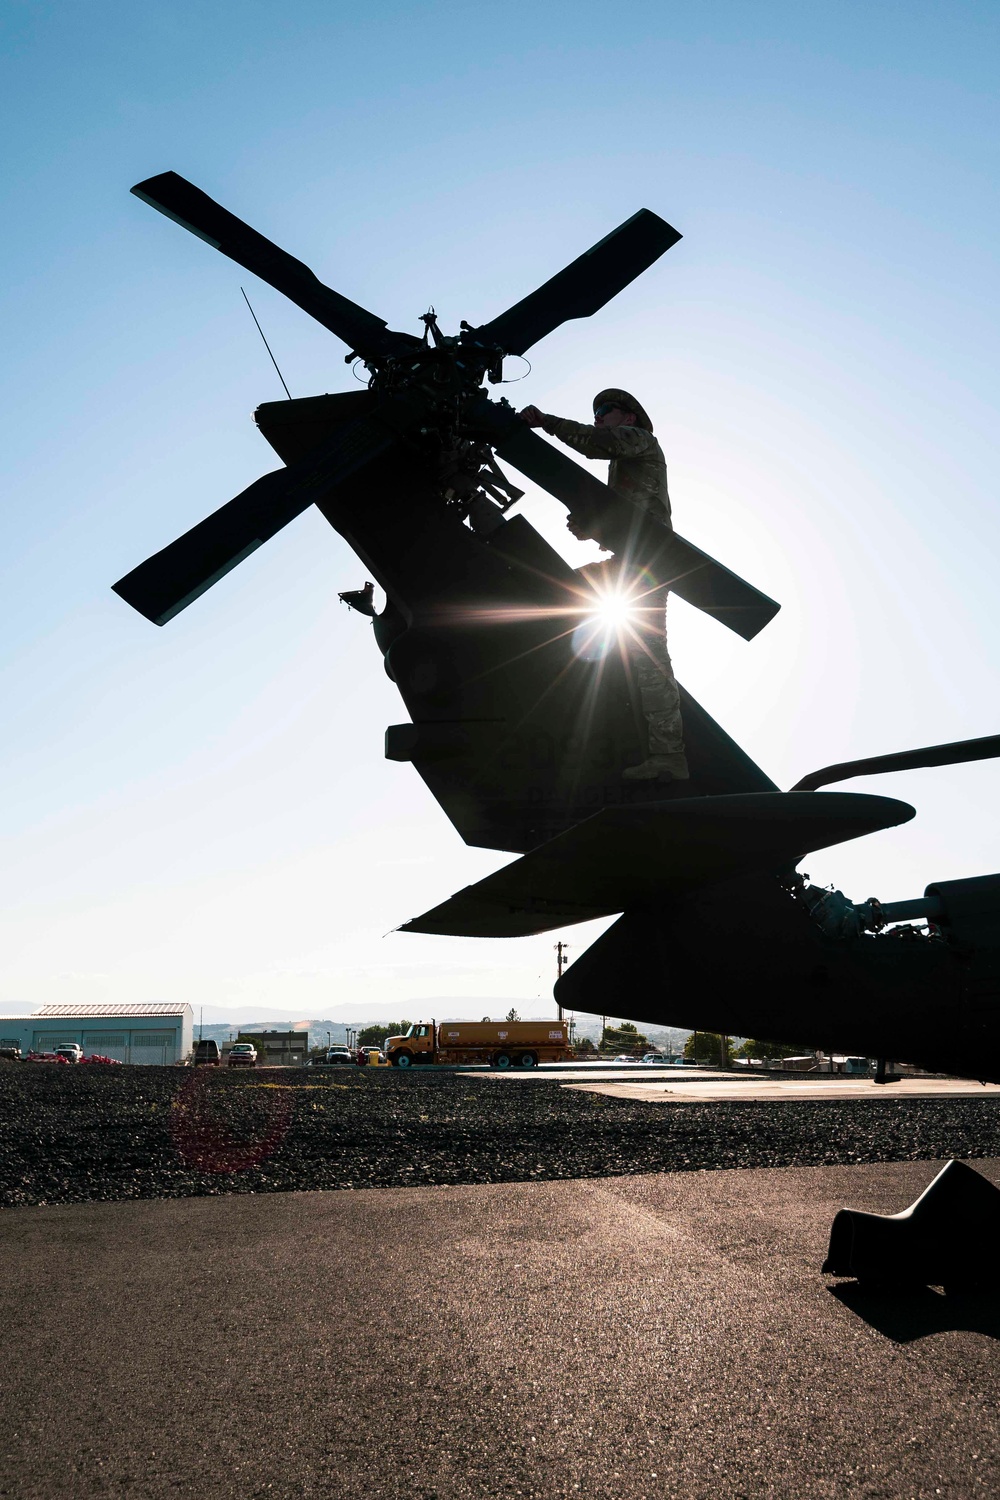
point(139, 1032)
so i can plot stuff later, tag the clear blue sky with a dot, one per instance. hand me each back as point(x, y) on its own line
point(204, 810)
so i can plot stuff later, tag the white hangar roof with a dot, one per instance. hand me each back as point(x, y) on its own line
point(89, 1008)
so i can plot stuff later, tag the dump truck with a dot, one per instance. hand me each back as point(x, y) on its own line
point(502, 1044)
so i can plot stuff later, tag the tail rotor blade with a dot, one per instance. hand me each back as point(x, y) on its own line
point(172, 579)
point(665, 557)
point(584, 286)
point(194, 210)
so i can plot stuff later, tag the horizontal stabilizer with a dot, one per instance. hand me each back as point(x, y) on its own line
point(631, 856)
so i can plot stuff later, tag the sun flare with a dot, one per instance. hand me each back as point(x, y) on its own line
point(607, 621)
point(615, 610)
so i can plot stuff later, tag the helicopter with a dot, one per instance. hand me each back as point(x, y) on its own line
point(522, 715)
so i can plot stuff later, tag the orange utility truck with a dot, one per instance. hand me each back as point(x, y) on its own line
point(502, 1044)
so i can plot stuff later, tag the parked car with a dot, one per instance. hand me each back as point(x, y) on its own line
point(363, 1056)
point(625, 1057)
point(71, 1051)
point(243, 1055)
point(337, 1055)
point(655, 1059)
point(207, 1053)
point(11, 1054)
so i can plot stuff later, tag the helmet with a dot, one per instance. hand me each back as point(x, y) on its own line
point(627, 403)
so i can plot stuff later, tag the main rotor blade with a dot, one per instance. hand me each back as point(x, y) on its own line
point(188, 206)
point(665, 557)
point(583, 287)
point(172, 579)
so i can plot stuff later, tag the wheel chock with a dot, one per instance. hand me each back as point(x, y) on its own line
point(949, 1237)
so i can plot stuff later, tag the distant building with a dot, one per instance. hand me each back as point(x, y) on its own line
point(280, 1049)
point(138, 1032)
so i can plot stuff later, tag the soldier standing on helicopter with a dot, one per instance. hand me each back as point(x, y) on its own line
point(623, 433)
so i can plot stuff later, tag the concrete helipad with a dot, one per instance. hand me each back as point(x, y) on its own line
point(698, 1090)
point(579, 1072)
point(622, 1339)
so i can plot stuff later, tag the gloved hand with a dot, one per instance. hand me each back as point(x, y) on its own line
point(532, 416)
point(580, 528)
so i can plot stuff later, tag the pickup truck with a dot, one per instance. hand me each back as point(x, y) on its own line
point(338, 1056)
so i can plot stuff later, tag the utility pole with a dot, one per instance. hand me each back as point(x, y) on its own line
point(561, 960)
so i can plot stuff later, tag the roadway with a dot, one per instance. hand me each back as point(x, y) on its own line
point(621, 1338)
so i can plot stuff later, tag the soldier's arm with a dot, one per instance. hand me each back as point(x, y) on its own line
point(600, 442)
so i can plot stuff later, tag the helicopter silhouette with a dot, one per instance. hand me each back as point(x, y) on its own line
point(523, 713)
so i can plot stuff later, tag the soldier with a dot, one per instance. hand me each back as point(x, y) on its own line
point(623, 433)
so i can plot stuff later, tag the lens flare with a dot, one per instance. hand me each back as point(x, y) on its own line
point(615, 610)
point(613, 615)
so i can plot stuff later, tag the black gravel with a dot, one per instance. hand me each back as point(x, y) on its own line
point(68, 1135)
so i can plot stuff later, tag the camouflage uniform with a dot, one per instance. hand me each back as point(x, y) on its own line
point(638, 471)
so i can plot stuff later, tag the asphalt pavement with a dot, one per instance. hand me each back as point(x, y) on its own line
point(661, 1335)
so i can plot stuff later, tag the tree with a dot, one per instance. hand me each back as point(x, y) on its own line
point(709, 1047)
point(624, 1038)
point(512, 1015)
point(752, 1048)
point(584, 1047)
point(374, 1036)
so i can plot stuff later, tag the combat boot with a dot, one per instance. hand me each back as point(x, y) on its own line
point(659, 768)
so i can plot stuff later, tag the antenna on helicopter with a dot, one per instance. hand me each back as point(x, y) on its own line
point(431, 329)
point(267, 346)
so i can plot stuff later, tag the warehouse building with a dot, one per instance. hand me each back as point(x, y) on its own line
point(280, 1049)
point(139, 1032)
point(275, 1049)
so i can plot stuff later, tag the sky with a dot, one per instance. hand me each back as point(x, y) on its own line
point(203, 811)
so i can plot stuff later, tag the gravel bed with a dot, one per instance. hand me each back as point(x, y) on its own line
point(68, 1135)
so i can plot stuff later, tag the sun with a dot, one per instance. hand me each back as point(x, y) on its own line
point(615, 611)
point(607, 620)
